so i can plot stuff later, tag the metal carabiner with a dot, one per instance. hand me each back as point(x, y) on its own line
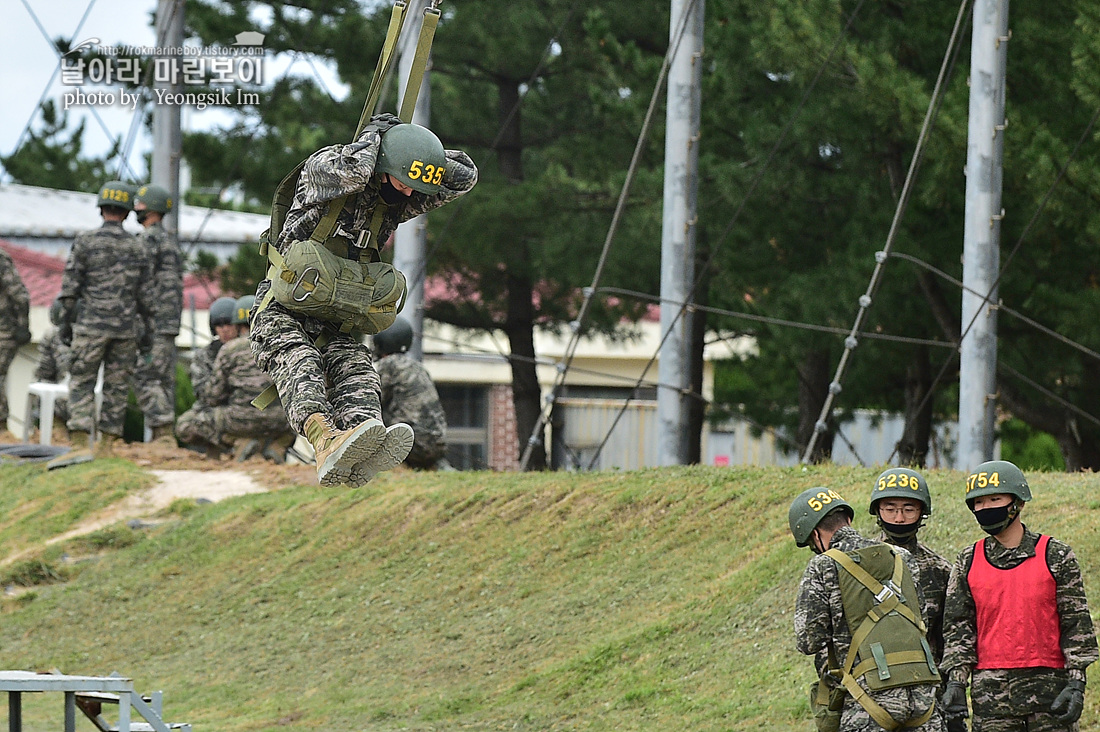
point(301, 279)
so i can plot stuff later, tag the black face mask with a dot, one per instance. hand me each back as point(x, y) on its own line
point(900, 531)
point(390, 194)
point(995, 520)
point(142, 215)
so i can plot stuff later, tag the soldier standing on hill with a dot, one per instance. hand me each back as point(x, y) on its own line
point(848, 590)
point(900, 502)
point(1017, 622)
point(104, 300)
point(156, 372)
point(14, 327)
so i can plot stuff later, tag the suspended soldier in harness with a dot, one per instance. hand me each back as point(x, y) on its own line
point(327, 282)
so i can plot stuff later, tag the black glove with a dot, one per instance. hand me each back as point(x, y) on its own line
point(1067, 707)
point(953, 702)
point(22, 335)
point(65, 333)
point(145, 343)
point(957, 724)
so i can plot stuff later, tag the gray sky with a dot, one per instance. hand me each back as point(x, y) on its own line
point(28, 63)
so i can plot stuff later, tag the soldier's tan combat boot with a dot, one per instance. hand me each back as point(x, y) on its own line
point(338, 452)
point(105, 445)
point(81, 452)
point(394, 449)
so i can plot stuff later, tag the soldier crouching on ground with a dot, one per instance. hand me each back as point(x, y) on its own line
point(858, 613)
point(324, 376)
point(227, 412)
point(202, 361)
point(409, 396)
point(1017, 622)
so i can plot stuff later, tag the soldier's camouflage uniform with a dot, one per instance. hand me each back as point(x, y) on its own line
point(819, 620)
point(934, 573)
point(107, 273)
point(1015, 700)
point(202, 370)
point(156, 378)
point(14, 325)
point(54, 358)
point(409, 396)
point(235, 381)
point(337, 380)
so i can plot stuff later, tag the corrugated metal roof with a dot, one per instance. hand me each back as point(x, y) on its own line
point(30, 211)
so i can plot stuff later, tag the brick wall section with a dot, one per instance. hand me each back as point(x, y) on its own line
point(503, 444)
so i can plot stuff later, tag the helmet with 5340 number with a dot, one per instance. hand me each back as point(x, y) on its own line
point(413, 155)
point(116, 193)
point(810, 507)
point(996, 476)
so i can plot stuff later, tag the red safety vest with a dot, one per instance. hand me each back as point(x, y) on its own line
point(1017, 612)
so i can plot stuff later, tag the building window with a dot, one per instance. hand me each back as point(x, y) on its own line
point(467, 409)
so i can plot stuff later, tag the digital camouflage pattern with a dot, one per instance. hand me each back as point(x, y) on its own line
point(1004, 698)
point(409, 396)
point(201, 371)
point(167, 283)
point(54, 359)
point(107, 275)
point(235, 380)
point(934, 574)
point(15, 331)
point(156, 381)
point(156, 374)
point(819, 621)
point(338, 380)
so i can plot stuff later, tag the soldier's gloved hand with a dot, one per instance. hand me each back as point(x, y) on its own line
point(953, 702)
point(65, 334)
point(1069, 703)
point(956, 724)
point(145, 344)
point(23, 336)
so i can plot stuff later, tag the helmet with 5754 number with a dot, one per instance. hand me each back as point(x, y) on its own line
point(413, 155)
point(154, 198)
point(996, 476)
point(812, 505)
point(222, 311)
point(901, 483)
point(116, 193)
point(243, 307)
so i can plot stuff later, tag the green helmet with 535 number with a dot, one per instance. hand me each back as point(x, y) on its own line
point(413, 155)
point(810, 507)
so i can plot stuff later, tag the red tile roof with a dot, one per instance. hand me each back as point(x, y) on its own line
point(42, 272)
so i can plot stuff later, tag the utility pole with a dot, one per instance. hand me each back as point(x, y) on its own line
point(982, 233)
point(410, 240)
point(167, 139)
point(678, 228)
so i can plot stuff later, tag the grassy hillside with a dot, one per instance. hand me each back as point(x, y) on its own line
point(652, 600)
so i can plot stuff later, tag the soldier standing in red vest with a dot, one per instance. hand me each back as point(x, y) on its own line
point(1016, 620)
